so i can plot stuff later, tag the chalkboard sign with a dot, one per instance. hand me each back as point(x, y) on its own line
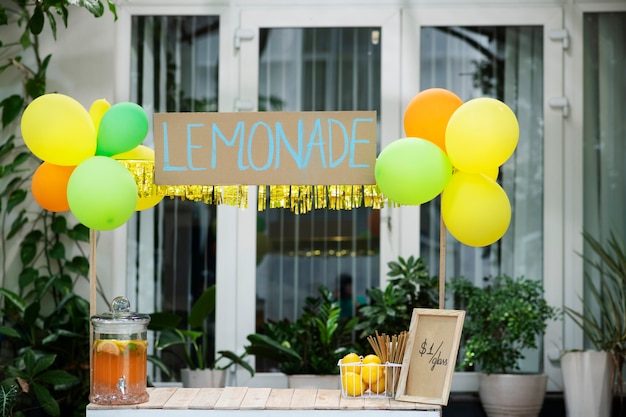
point(430, 356)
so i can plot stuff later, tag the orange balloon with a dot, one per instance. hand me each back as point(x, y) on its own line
point(428, 113)
point(49, 186)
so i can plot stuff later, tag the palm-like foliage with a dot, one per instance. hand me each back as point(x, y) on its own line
point(313, 344)
point(604, 322)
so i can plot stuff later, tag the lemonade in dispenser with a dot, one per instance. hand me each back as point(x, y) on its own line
point(119, 356)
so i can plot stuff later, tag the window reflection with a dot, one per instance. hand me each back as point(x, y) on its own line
point(316, 69)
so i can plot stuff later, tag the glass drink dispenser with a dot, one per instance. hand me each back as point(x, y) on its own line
point(119, 356)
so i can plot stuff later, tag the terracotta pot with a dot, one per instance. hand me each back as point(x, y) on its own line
point(512, 395)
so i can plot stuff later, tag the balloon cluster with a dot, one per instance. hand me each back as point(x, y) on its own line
point(79, 150)
point(456, 149)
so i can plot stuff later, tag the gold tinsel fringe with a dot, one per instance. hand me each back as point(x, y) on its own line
point(299, 199)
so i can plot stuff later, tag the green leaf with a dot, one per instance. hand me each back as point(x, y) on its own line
point(8, 331)
point(58, 379)
point(53, 24)
point(46, 400)
point(25, 39)
point(169, 337)
point(59, 225)
point(112, 9)
point(15, 198)
point(160, 364)
point(12, 107)
point(27, 277)
point(36, 21)
point(15, 299)
point(79, 265)
point(95, 7)
point(28, 251)
point(31, 314)
point(18, 160)
point(202, 308)
point(57, 251)
point(4, 19)
point(7, 146)
point(33, 237)
point(63, 284)
point(234, 360)
point(79, 232)
point(36, 86)
point(163, 320)
point(43, 362)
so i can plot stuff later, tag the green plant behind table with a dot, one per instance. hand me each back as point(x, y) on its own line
point(44, 324)
point(503, 317)
point(193, 337)
point(603, 320)
point(389, 311)
point(312, 344)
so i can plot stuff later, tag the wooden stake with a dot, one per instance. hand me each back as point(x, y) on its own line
point(442, 262)
point(92, 290)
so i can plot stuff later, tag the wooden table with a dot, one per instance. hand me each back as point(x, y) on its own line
point(246, 402)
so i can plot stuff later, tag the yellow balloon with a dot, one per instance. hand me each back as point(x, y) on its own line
point(475, 209)
point(144, 203)
point(139, 153)
point(97, 110)
point(58, 130)
point(492, 172)
point(481, 135)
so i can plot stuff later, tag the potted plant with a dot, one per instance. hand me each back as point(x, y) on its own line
point(310, 345)
point(504, 317)
point(193, 339)
point(410, 287)
point(599, 372)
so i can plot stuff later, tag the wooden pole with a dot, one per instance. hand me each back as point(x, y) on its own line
point(92, 290)
point(442, 262)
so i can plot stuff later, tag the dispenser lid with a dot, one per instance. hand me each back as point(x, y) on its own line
point(120, 314)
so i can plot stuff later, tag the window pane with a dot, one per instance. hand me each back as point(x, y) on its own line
point(505, 63)
point(604, 129)
point(174, 68)
point(316, 69)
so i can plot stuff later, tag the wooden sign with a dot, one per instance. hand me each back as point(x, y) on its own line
point(265, 148)
point(430, 356)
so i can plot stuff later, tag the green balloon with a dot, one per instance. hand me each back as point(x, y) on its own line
point(102, 193)
point(122, 128)
point(412, 171)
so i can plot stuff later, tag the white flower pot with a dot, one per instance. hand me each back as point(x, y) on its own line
point(512, 395)
point(587, 383)
point(313, 381)
point(203, 378)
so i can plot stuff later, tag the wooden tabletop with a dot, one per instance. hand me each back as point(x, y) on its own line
point(244, 398)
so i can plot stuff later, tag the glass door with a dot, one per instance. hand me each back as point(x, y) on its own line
point(307, 60)
point(507, 54)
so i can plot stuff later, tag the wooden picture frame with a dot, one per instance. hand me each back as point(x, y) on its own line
point(430, 356)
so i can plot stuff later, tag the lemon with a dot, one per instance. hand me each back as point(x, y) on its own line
point(351, 358)
point(106, 346)
point(371, 358)
point(352, 384)
point(378, 386)
point(371, 372)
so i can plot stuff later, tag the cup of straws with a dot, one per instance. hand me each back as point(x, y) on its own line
point(390, 350)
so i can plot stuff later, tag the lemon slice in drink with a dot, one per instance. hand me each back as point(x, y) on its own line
point(107, 347)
